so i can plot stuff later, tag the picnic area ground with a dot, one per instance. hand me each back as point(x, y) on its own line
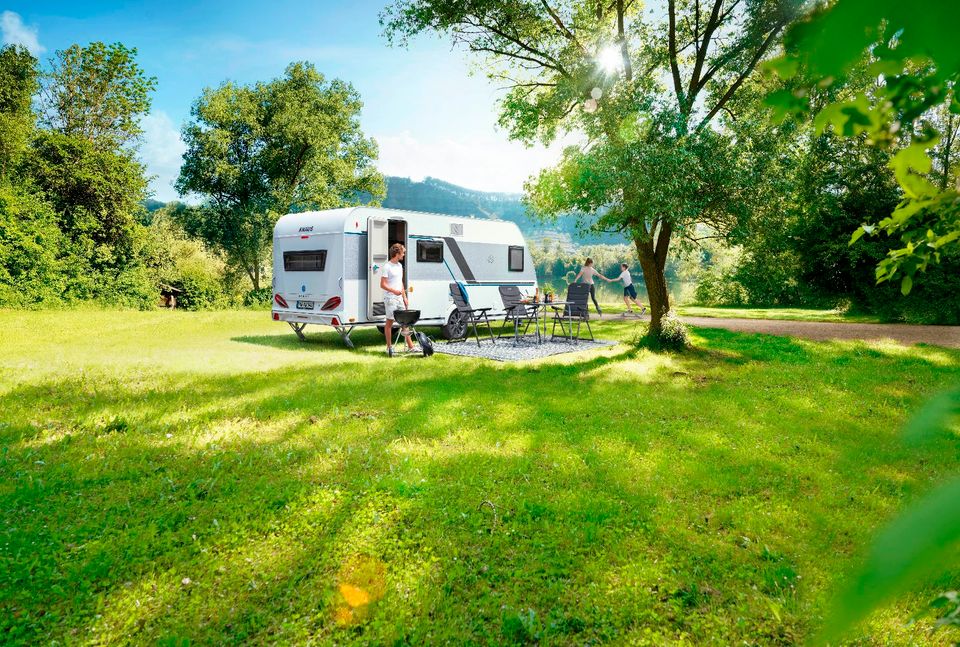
point(205, 476)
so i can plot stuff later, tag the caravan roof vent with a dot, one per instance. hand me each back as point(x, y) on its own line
point(456, 229)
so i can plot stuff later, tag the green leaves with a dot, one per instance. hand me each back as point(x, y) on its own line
point(906, 285)
point(258, 152)
point(913, 53)
point(920, 541)
point(18, 81)
point(933, 417)
point(97, 93)
point(909, 164)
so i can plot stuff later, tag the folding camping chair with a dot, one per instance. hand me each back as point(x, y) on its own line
point(517, 312)
point(575, 311)
point(470, 316)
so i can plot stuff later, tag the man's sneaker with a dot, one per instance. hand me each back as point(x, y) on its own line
point(642, 310)
point(390, 351)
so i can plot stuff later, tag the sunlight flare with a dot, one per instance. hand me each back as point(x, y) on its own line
point(609, 59)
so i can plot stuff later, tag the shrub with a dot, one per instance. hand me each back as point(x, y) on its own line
point(31, 246)
point(720, 288)
point(258, 298)
point(186, 265)
point(674, 334)
point(199, 289)
point(933, 299)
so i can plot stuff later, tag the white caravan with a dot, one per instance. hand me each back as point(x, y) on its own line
point(327, 266)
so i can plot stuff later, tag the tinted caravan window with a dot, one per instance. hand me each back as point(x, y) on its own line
point(429, 251)
point(516, 259)
point(312, 261)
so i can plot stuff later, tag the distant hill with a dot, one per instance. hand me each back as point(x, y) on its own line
point(152, 205)
point(438, 196)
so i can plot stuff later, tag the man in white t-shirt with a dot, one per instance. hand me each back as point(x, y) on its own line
point(394, 293)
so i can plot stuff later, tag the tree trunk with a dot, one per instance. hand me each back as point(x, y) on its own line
point(256, 276)
point(653, 276)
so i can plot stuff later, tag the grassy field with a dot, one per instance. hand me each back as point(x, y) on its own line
point(171, 476)
point(787, 314)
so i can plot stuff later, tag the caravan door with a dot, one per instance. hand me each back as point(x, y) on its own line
point(378, 243)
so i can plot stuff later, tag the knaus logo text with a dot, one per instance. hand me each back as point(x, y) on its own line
point(303, 229)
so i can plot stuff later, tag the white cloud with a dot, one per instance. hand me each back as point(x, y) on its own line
point(481, 163)
point(16, 33)
point(162, 151)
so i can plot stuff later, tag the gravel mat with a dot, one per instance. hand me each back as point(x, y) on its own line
point(506, 351)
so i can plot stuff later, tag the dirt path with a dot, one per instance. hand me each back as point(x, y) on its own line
point(904, 333)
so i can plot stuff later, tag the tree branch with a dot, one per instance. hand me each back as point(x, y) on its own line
point(712, 23)
point(543, 56)
point(516, 55)
point(672, 44)
point(624, 52)
point(562, 27)
point(743, 74)
point(663, 243)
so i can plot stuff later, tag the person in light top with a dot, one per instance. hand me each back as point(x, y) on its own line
point(394, 293)
point(587, 272)
point(629, 292)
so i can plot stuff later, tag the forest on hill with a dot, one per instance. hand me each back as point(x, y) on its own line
point(437, 196)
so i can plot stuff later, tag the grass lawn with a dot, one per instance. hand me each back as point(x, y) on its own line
point(788, 314)
point(205, 476)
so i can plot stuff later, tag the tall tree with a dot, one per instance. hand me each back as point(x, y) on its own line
point(257, 152)
point(18, 82)
point(646, 90)
point(914, 54)
point(97, 93)
point(96, 194)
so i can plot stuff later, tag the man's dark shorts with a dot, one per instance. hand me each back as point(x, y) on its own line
point(630, 291)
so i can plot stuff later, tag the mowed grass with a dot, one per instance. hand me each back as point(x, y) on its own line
point(786, 314)
point(170, 476)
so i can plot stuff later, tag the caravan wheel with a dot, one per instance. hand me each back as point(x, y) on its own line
point(456, 327)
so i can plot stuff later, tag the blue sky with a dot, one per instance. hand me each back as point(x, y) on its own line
point(429, 116)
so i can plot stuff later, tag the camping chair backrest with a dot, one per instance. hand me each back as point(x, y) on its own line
point(511, 297)
point(577, 295)
point(459, 297)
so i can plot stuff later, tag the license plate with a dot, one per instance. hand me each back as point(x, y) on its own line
point(305, 305)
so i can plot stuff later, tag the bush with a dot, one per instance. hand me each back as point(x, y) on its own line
point(31, 246)
point(258, 298)
point(716, 288)
point(186, 265)
point(199, 289)
point(933, 299)
point(674, 334)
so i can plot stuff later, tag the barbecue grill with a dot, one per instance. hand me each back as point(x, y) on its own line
point(406, 319)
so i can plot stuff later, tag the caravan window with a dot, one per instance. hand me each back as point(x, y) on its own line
point(429, 251)
point(312, 261)
point(515, 259)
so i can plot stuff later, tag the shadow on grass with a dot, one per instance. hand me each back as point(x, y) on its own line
point(362, 338)
point(607, 513)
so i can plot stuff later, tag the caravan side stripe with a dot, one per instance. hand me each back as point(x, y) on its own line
point(461, 261)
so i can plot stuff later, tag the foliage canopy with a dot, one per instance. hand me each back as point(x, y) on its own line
point(257, 152)
point(914, 53)
point(97, 93)
point(644, 91)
